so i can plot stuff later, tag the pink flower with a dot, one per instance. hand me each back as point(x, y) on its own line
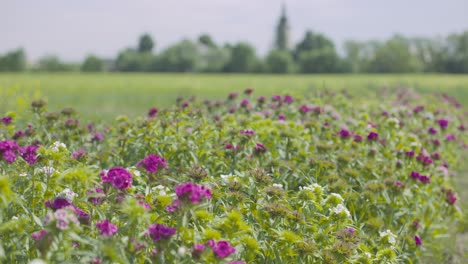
point(106, 228)
point(152, 163)
point(193, 192)
point(159, 232)
point(223, 249)
point(39, 234)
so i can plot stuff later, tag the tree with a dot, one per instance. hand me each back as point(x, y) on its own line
point(206, 40)
point(242, 58)
point(180, 57)
point(52, 63)
point(313, 41)
point(456, 53)
point(282, 32)
point(132, 61)
point(92, 64)
point(146, 44)
point(13, 61)
point(324, 60)
point(279, 61)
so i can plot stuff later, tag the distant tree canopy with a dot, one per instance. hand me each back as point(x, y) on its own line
point(314, 53)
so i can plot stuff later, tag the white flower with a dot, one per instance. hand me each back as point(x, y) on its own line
point(389, 235)
point(57, 145)
point(47, 170)
point(14, 218)
point(182, 250)
point(67, 194)
point(24, 174)
point(337, 196)
point(368, 254)
point(306, 188)
point(339, 209)
point(161, 188)
point(278, 185)
point(37, 261)
point(134, 171)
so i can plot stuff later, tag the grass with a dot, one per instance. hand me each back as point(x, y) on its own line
point(98, 96)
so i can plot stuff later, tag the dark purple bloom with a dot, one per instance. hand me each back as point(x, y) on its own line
point(409, 153)
point(451, 198)
point(144, 204)
point(232, 110)
point(373, 136)
point(232, 96)
point(416, 224)
point(9, 156)
point(158, 232)
point(304, 109)
point(193, 192)
point(106, 228)
point(424, 179)
point(418, 109)
point(78, 154)
point(248, 91)
point(174, 206)
point(281, 117)
point(461, 127)
point(152, 163)
point(432, 131)
point(344, 133)
point(443, 123)
point(398, 184)
point(29, 154)
point(97, 137)
point(223, 249)
point(357, 138)
point(120, 178)
point(244, 103)
point(414, 175)
point(247, 132)
point(417, 240)
point(260, 148)
point(152, 112)
point(436, 142)
point(18, 134)
point(261, 99)
point(39, 235)
point(351, 230)
point(436, 156)
point(6, 120)
point(288, 99)
point(70, 123)
point(60, 203)
point(450, 137)
point(95, 200)
point(275, 98)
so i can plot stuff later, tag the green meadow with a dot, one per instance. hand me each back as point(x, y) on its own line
point(103, 96)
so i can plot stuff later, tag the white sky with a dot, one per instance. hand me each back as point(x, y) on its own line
point(74, 28)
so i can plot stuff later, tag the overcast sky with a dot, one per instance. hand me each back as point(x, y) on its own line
point(74, 28)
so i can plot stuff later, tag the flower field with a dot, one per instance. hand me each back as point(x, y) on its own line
point(286, 178)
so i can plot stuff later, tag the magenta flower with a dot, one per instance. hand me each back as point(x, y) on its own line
point(158, 232)
point(244, 103)
point(6, 120)
point(304, 109)
point(58, 203)
point(223, 249)
point(152, 112)
point(247, 132)
point(409, 154)
point(443, 123)
point(233, 96)
point(174, 206)
point(79, 154)
point(197, 250)
point(97, 137)
point(9, 156)
point(281, 117)
point(418, 109)
point(451, 198)
point(260, 148)
point(416, 224)
point(152, 163)
point(288, 99)
point(193, 192)
point(29, 154)
point(261, 99)
point(344, 133)
point(237, 262)
point(357, 138)
point(450, 137)
point(210, 243)
point(18, 134)
point(106, 228)
point(275, 98)
point(417, 240)
point(119, 177)
point(432, 131)
point(39, 235)
point(248, 91)
point(95, 200)
point(373, 136)
point(461, 128)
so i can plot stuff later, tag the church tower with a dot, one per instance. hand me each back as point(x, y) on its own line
point(282, 31)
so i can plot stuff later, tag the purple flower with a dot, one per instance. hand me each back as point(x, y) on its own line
point(424, 179)
point(281, 117)
point(417, 240)
point(193, 192)
point(174, 206)
point(414, 175)
point(152, 163)
point(18, 134)
point(432, 131)
point(29, 154)
point(6, 120)
point(158, 232)
point(248, 91)
point(450, 137)
point(247, 132)
point(357, 138)
point(418, 109)
point(95, 200)
point(144, 204)
point(60, 203)
point(373, 136)
point(275, 98)
point(7, 145)
point(260, 148)
point(443, 123)
point(304, 109)
point(261, 99)
point(9, 156)
point(416, 224)
point(398, 184)
point(244, 103)
point(237, 262)
point(78, 154)
point(344, 133)
point(461, 127)
point(106, 228)
point(232, 96)
point(436, 142)
point(39, 235)
point(351, 230)
point(223, 249)
point(210, 243)
point(409, 154)
point(288, 99)
point(152, 112)
point(97, 137)
point(425, 160)
point(197, 250)
point(120, 178)
point(451, 198)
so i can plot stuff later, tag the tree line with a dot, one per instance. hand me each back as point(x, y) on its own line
point(315, 53)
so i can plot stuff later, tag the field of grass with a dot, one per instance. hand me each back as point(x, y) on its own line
point(98, 96)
